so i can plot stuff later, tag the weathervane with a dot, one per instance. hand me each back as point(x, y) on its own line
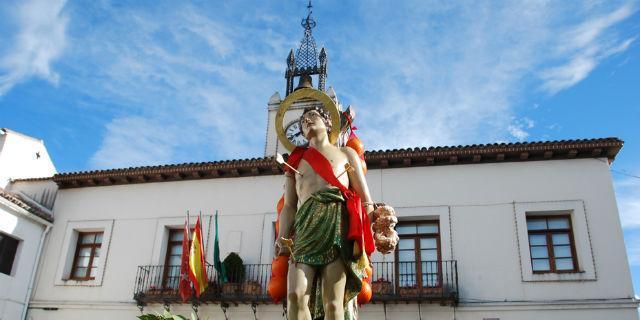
point(308, 23)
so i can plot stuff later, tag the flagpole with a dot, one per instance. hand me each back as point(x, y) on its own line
point(188, 227)
point(193, 289)
point(204, 241)
point(206, 245)
point(218, 266)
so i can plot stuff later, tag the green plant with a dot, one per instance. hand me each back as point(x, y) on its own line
point(166, 315)
point(235, 268)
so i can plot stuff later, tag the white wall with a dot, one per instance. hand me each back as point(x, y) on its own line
point(18, 158)
point(481, 200)
point(475, 202)
point(13, 288)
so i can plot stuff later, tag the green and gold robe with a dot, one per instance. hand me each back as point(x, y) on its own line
point(321, 226)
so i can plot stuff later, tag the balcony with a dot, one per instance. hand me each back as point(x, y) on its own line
point(429, 281)
point(402, 282)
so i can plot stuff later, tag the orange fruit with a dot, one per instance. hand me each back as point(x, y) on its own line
point(355, 144)
point(280, 266)
point(277, 288)
point(365, 294)
point(280, 204)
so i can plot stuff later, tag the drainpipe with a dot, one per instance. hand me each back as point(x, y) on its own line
point(33, 272)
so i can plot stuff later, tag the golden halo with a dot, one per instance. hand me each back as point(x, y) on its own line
point(314, 94)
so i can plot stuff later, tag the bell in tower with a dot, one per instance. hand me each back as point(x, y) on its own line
point(306, 67)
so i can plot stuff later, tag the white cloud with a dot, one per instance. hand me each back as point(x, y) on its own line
point(39, 42)
point(211, 31)
point(528, 123)
point(136, 141)
point(418, 74)
point(453, 74)
point(632, 240)
point(179, 83)
point(518, 128)
point(628, 194)
point(584, 46)
point(565, 76)
point(517, 132)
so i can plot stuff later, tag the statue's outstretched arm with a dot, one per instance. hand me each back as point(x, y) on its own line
point(358, 181)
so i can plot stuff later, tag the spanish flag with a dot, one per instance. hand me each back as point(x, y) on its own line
point(197, 266)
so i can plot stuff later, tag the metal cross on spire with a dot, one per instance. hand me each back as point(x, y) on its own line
point(307, 54)
point(308, 23)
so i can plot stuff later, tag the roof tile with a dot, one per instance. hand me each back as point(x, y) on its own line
point(417, 156)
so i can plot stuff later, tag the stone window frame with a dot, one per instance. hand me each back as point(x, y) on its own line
point(582, 239)
point(16, 254)
point(268, 237)
point(68, 250)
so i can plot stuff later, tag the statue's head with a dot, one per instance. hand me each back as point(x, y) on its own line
point(315, 119)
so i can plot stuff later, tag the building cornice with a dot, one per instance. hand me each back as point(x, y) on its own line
point(383, 159)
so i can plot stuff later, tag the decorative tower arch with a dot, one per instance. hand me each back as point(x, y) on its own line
point(307, 61)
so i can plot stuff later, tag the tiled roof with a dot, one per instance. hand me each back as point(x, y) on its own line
point(32, 179)
point(411, 157)
point(17, 201)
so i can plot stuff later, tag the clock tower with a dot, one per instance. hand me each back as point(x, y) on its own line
point(304, 66)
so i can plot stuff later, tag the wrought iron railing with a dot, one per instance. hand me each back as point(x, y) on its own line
point(160, 284)
point(435, 281)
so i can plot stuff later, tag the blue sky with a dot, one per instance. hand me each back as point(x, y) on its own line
point(122, 84)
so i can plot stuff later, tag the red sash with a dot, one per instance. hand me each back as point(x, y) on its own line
point(359, 224)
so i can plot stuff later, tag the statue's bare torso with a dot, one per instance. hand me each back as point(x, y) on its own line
point(310, 182)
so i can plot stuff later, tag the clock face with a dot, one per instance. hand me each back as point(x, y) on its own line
point(294, 134)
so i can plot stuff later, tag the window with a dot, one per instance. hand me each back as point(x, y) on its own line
point(8, 249)
point(67, 273)
point(87, 256)
point(418, 254)
point(577, 226)
point(551, 244)
point(173, 260)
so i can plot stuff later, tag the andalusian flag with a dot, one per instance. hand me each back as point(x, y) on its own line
point(197, 267)
point(222, 273)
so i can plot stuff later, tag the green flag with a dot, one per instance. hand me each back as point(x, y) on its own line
point(222, 273)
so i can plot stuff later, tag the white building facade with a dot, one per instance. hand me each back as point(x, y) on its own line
point(25, 217)
point(477, 214)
